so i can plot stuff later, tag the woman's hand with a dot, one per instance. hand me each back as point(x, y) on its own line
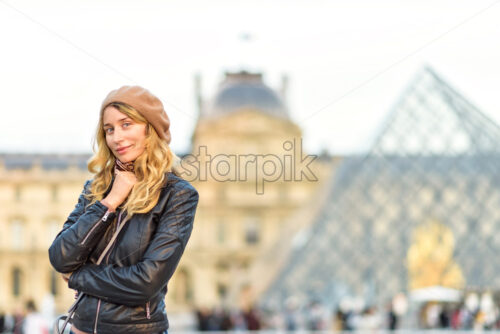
point(122, 186)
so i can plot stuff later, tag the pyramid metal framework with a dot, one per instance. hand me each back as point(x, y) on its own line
point(437, 158)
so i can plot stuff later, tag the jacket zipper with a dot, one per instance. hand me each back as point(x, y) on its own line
point(103, 219)
point(107, 257)
point(114, 230)
point(97, 316)
point(148, 313)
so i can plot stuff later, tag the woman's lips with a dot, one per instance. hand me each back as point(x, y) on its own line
point(122, 150)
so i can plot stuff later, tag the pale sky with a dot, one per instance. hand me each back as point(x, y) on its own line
point(348, 61)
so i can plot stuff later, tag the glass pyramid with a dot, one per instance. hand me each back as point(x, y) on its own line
point(421, 209)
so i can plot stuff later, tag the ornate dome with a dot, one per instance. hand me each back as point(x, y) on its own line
point(246, 90)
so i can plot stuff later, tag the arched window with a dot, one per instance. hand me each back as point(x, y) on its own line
point(16, 281)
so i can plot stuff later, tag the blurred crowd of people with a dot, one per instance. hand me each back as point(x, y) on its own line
point(219, 319)
point(460, 317)
point(27, 321)
point(464, 315)
point(313, 317)
point(472, 313)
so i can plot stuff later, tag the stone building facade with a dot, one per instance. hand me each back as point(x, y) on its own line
point(249, 167)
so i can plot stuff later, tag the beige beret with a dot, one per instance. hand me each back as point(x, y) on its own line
point(148, 105)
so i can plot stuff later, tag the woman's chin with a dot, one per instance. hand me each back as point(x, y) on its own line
point(122, 157)
point(126, 158)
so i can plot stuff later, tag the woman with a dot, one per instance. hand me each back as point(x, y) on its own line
point(133, 179)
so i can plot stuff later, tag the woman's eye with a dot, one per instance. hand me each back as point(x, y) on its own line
point(126, 124)
point(108, 130)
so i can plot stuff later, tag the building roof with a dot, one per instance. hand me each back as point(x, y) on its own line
point(245, 90)
point(46, 161)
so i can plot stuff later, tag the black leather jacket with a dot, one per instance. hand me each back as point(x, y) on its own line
point(126, 292)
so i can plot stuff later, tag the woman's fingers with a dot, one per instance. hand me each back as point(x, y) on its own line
point(122, 186)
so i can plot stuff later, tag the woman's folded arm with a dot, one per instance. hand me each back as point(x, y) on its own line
point(136, 284)
point(79, 235)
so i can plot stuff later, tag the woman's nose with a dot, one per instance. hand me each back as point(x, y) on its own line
point(117, 135)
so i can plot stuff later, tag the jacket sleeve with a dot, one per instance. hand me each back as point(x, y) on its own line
point(79, 235)
point(137, 284)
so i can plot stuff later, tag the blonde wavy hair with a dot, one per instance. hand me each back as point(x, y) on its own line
point(149, 167)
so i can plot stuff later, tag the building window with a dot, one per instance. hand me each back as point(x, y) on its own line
point(222, 291)
point(17, 193)
point(252, 231)
point(222, 267)
point(54, 192)
point(221, 232)
point(17, 234)
point(283, 192)
point(16, 282)
point(183, 292)
point(221, 193)
point(53, 283)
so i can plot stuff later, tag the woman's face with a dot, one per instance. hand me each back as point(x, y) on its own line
point(125, 137)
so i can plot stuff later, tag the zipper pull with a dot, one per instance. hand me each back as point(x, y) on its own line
point(148, 314)
point(105, 217)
